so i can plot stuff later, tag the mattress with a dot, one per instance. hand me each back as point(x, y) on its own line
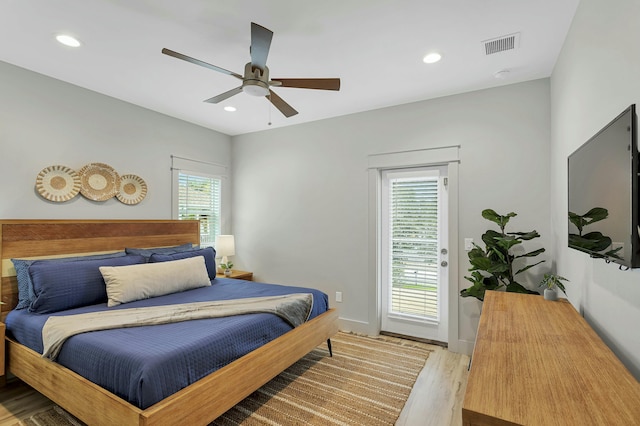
point(144, 365)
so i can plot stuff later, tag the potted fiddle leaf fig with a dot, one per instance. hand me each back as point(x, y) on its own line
point(495, 266)
point(550, 282)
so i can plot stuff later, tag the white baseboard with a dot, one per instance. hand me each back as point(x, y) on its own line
point(356, 326)
point(362, 327)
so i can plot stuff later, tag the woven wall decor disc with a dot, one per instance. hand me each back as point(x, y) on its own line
point(133, 189)
point(58, 183)
point(98, 181)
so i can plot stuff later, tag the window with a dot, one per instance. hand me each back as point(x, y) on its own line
point(413, 221)
point(198, 194)
point(199, 198)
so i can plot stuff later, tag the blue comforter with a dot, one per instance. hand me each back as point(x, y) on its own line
point(144, 365)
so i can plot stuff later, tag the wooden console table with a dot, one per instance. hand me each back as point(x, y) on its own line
point(538, 362)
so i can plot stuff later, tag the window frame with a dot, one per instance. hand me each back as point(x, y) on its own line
point(388, 196)
point(207, 170)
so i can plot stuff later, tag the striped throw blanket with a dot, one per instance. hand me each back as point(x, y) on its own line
point(293, 308)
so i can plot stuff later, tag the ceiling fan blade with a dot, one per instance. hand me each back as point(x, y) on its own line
point(286, 109)
point(260, 44)
point(226, 95)
point(310, 83)
point(199, 62)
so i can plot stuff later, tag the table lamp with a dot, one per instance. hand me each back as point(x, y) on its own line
point(225, 246)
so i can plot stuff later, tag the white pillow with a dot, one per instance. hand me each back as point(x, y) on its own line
point(136, 282)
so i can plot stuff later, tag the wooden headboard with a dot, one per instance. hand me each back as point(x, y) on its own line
point(38, 239)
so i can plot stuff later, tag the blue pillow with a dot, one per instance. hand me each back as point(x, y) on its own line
point(25, 287)
point(209, 258)
point(147, 252)
point(65, 285)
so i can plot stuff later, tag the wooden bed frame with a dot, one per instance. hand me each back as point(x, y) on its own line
point(199, 403)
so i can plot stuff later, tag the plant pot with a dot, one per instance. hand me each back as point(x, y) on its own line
point(227, 272)
point(550, 294)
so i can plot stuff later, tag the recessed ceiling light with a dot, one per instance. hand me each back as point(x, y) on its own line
point(229, 108)
point(432, 58)
point(68, 40)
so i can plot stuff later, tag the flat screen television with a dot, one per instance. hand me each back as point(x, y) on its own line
point(603, 193)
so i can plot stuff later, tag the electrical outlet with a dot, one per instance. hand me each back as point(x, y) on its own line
point(338, 296)
point(468, 244)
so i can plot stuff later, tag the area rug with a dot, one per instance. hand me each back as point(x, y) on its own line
point(54, 416)
point(366, 382)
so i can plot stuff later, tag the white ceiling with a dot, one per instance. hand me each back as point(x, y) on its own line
point(374, 46)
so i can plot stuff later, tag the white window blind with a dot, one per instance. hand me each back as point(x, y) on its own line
point(199, 198)
point(414, 246)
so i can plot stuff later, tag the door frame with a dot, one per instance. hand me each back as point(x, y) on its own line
point(449, 156)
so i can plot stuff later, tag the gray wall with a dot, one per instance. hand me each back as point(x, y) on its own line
point(301, 195)
point(45, 122)
point(596, 77)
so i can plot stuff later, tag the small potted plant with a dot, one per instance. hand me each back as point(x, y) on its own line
point(550, 282)
point(227, 268)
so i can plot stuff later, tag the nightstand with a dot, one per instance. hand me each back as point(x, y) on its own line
point(238, 275)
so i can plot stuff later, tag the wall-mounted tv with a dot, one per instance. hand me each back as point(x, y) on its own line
point(603, 193)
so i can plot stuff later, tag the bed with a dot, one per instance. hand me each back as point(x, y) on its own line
point(197, 403)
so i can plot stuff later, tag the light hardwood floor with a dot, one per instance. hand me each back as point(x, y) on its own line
point(436, 398)
point(18, 401)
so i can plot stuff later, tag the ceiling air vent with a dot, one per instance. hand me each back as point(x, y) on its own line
point(501, 44)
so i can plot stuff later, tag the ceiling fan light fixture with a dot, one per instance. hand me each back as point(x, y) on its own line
point(68, 40)
point(432, 58)
point(255, 88)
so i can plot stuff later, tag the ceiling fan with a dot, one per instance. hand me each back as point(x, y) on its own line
point(255, 80)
